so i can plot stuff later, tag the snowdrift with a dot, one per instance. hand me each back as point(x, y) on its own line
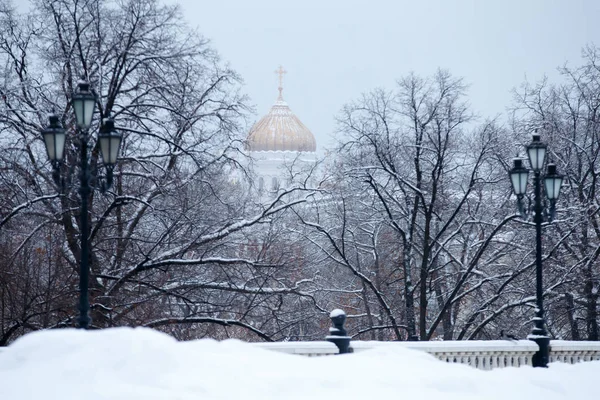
point(126, 363)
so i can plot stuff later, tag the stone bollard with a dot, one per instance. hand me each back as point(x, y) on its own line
point(337, 333)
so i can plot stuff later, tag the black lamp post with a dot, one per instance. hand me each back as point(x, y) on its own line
point(536, 152)
point(83, 102)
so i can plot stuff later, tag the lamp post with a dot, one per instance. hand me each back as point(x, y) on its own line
point(83, 102)
point(519, 175)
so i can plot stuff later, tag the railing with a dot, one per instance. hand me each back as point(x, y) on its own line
point(480, 354)
point(476, 353)
point(570, 352)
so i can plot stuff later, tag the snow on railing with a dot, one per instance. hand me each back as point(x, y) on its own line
point(481, 354)
point(309, 349)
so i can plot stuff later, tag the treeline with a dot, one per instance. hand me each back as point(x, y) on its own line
point(409, 224)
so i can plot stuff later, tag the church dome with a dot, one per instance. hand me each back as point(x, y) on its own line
point(280, 130)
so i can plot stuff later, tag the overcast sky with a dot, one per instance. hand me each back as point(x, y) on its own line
point(334, 50)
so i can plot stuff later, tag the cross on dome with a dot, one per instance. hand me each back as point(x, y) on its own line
point(280, 71)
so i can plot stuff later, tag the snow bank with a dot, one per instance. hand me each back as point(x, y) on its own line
point(139, 363)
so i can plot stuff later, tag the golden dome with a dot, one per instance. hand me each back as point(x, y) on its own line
point(280, 130)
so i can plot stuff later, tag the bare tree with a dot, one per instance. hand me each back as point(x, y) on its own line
point(167, 238)
point(419, 201)
point(567, 115)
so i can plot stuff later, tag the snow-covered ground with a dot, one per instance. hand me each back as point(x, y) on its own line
point(143, 364)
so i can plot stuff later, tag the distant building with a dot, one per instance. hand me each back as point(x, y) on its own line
point(281, 146)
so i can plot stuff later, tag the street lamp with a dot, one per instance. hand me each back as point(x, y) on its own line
point(536, 152)
point(83, 102)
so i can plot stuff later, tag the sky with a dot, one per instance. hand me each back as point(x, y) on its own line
point(142, 364)
point(334, 50)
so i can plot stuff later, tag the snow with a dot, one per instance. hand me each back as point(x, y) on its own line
point(531, 336)
point(336, 313)
point(126, 363)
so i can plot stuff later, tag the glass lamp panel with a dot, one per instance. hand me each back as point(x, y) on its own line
point(49, 142)
point(84, 110)
point(109, 146)
point(84, 102)
point(104, 147)
point(519, 180)
point(523, 180)
point(553, 185)
point(519, 176)
point(536, 157)
point(79, 108)
point(536, 151)
point(552, 182)
point(59, 142)
point(88, 111)
point(110, 142)
point(115, 146)
point(54, 139)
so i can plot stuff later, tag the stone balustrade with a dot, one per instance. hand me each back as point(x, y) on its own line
point(571, 352)
point(481, 354)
